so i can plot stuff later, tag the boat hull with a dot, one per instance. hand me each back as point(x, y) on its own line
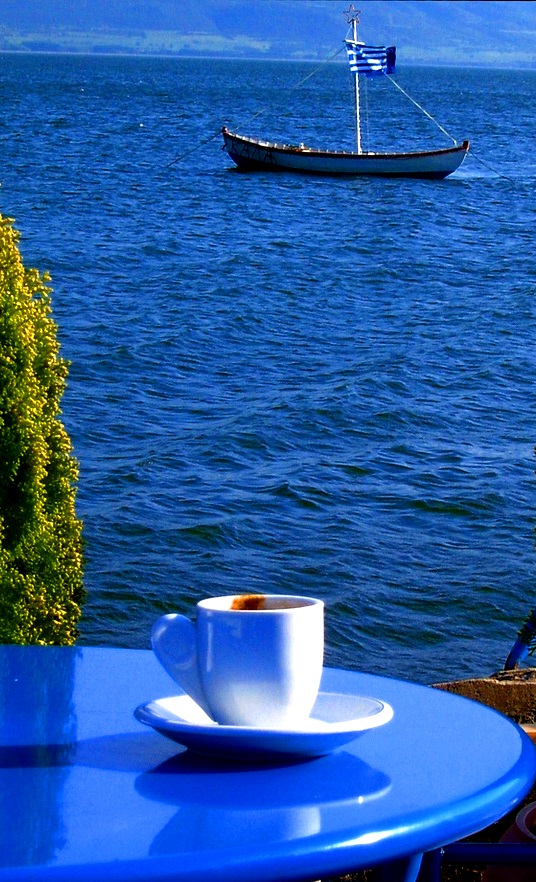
point(248, 153)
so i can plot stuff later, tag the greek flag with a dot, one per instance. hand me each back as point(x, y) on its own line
point(373, 61)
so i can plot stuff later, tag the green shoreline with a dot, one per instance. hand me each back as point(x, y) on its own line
point(202, 45)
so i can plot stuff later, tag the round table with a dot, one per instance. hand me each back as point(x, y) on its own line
point(89, 793)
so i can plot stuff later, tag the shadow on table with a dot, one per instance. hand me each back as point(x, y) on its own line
point(129, 752)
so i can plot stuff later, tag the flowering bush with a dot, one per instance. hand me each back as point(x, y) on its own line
point(41, 559)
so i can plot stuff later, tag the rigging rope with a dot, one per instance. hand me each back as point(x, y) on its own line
point(430, 117)
point(472, 153)
point(400, 89)
point(299, 83)
point(258, 113)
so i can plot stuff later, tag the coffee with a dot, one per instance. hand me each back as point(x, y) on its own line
point(262, 602)
point(248, 601)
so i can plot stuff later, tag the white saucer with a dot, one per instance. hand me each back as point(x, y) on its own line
point(335, 720)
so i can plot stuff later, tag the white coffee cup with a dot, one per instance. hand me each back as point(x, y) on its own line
point(247, 667)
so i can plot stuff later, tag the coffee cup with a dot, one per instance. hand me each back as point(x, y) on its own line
point(248, 660)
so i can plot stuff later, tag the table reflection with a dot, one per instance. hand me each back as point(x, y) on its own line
point(37, 731)
point(224, 805)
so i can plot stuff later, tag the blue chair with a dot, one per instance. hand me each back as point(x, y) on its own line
point(473, 853)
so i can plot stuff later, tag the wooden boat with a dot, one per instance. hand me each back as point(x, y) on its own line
point(249, 153)
point(252, 154)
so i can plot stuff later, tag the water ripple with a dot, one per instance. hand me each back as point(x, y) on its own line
point(283, 383)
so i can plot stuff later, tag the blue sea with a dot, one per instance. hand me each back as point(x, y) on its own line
point(290, 384)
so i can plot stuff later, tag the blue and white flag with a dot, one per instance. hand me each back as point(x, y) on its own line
point(373, 61)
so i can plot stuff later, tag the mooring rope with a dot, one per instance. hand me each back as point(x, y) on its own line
point(193, 149)
point(487, 164)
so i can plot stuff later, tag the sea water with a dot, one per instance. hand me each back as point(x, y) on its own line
point(282, 383)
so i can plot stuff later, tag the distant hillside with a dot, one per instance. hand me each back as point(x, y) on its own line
point(490, 33)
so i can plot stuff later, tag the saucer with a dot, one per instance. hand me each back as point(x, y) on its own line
point(335, 720)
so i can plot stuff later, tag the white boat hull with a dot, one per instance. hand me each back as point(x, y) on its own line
point(248, 153)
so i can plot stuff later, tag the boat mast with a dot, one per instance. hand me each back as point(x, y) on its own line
point(353, 20)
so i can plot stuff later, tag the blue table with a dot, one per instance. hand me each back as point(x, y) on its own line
point(86, 792)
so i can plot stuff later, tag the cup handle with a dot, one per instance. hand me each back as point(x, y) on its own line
point(174, 642)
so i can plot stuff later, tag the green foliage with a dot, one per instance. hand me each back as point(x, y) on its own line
point(41, 560)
